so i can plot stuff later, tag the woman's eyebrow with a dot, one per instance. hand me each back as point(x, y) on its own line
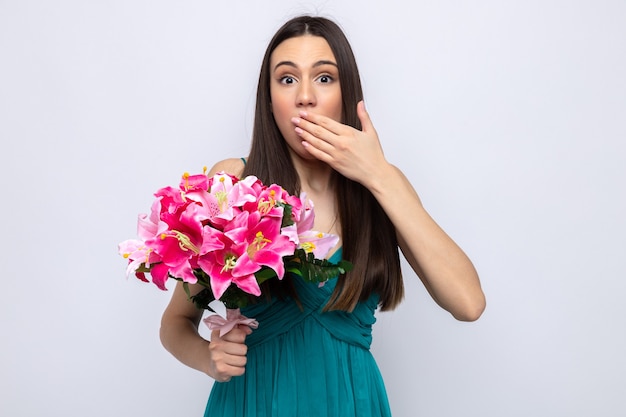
point(292, 64)
point(324, 62)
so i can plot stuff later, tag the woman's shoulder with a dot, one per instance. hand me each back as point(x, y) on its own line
point(233, 166)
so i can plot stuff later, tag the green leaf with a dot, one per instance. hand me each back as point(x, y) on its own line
point(287, 210)
point(315, 270)
point(186, 288)
point(264, 274)
point(203, 299)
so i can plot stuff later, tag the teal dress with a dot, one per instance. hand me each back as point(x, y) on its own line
point(306, 363)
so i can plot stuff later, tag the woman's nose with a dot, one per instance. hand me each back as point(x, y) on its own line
point(306, 95)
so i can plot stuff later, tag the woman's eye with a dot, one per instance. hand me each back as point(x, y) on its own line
point(325, 79)
point(287, 80)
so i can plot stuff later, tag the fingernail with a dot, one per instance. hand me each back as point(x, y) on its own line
point(303, 113)
point(299, 131)
point(295, 120)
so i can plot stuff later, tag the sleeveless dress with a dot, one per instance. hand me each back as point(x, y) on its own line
point(303, 362)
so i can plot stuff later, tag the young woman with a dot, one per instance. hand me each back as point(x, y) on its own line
point(310, 355)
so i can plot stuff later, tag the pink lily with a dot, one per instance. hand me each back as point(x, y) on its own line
point(267, 201)
point(136, 251)
point(171, 199)
point(137, 254)
point(220, 266)
point(320, 244)
point(254, 242)
point(194, 182)
point(180, 244)
point(221, 204)
point(266, 246)
point(149, 226)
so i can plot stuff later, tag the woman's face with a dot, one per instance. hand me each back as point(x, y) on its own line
point(303, 76)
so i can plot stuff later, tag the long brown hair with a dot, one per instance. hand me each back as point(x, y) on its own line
point(369, 237)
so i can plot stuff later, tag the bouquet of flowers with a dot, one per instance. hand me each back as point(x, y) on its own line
point(228, 235)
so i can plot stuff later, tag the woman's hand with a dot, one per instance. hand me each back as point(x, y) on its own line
point(356, 154)
point(228, 353)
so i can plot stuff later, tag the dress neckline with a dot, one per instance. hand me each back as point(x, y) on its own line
point(336, 256)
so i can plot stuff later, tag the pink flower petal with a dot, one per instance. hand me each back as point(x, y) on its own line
point(248, 284)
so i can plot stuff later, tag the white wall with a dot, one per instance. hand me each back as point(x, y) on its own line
point(509, 118)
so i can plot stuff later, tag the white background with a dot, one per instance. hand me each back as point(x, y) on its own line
point(508, 117)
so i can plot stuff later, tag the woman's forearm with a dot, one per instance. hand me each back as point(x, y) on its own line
point(179, 335)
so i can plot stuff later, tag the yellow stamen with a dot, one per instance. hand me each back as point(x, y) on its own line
point(183, 241)
point(229, 262)
point(222, 200)
point(257, 244)
point(264, 205)
point(308, 246)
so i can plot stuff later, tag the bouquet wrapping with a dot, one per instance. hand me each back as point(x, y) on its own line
point(228, 235)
